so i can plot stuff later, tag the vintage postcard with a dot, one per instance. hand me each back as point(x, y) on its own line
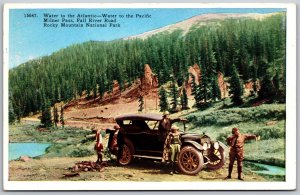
point(149, 97)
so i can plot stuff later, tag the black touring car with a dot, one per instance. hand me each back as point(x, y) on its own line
point(141, 138)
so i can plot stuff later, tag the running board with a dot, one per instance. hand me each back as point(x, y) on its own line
point(151, 157)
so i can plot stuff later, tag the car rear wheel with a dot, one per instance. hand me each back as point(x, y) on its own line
point(217, 159)
point(127, 153)
point(190, 160)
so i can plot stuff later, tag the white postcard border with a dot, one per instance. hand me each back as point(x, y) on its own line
point(290, 182)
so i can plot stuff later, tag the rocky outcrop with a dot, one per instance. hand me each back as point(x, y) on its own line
point(196, 72)
point(149, 80)
point(248, 86)
point(223, 85)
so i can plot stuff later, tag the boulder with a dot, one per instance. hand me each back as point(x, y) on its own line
point(25, 158)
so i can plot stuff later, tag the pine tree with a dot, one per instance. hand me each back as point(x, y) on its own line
point(12, 115)
point(55, 116)
point(174, 96)
point(62, 119)
point(184, 99)
point(17, 110)
point(216, 92)
point(276, 81)
point(236, 87)
point(163, 100)
point(141, 103)
point(46, 118)
point(267, 90)
point(101, 86)
point(193, 85)
point(196, 92)
point(95, 91)
point(204, 87)
point(204, 91)
point(254, 77)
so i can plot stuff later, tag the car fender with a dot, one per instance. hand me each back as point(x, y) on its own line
point(223, 146)
point(225, 149)
point(193, 143)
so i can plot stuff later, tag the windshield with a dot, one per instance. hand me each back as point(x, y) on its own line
point(153, 125)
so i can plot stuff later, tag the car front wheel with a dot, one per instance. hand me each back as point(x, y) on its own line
point(190, 160)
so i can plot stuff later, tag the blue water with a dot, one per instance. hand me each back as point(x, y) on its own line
point(271, 170)
point(26, 149)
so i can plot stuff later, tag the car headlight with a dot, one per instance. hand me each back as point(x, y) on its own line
point(205, 146)
point(216, 145)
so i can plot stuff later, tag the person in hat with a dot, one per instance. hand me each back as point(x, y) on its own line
point(164, 125)
point(98, 145)
point(236, 143)
point(173, 144)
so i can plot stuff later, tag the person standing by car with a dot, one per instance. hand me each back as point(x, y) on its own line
point(236, 143)
point(113, 140)
point(98, 146)
point(120, 142)
point(164, 125)
point(173, 142)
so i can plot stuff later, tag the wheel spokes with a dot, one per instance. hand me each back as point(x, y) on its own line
point(218, 155)
point(125, 155)
point(190, 161)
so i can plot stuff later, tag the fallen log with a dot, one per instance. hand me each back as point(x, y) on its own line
point(71, 174)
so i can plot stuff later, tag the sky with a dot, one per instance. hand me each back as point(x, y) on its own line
point(29, 39)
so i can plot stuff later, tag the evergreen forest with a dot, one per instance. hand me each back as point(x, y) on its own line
point(242, 49)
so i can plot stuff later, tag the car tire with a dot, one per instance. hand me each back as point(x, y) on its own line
point(190, 160)
point(217, 164)
point(127, 154)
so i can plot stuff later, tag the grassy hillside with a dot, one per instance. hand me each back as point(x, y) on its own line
point(268, 121)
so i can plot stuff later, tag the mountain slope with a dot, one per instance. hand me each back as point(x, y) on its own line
point(198, 21)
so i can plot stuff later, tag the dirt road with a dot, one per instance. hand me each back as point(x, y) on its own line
point(52, 169)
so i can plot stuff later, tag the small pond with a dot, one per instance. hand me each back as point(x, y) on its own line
point(268, 169)
point(26, 149)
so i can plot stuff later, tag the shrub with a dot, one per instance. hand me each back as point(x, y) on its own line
point(222, 137)
point(269, 132)
point(81, 152)
point(236, 115)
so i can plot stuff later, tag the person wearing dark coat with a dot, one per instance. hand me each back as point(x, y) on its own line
point(164, 125)
point(236, 143)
